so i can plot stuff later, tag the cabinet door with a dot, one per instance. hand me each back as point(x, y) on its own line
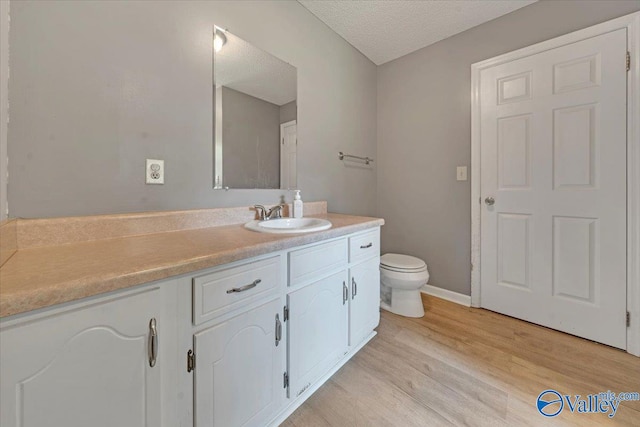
point(239, 369)
point(83, 367)
point(364, 305)
point(317, 330)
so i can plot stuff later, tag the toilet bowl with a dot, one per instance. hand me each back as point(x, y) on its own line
point(401, 277)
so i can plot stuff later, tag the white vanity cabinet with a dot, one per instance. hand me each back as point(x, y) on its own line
point(241, 344)
point(86, 364)
point(240, 347)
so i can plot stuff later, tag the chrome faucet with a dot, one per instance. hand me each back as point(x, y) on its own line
point(265, 214)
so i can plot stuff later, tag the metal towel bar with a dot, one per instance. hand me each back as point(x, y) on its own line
point(367, 160)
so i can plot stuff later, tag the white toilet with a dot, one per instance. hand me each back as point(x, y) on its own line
point(401, 278)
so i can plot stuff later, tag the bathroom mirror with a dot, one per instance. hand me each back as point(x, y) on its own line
point(255, 127)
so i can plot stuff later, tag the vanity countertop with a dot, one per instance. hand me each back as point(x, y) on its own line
point(40, 277)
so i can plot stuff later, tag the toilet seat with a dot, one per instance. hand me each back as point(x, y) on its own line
point(402, 263)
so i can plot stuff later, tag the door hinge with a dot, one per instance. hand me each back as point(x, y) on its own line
point(282, 141)
point(628, 319)
point(191, 361)
point(285, 313)
point(628, 60)
point(285, 381)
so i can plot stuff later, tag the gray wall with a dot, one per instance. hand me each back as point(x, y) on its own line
point(288, 112)
point(4, 103)
point(99, 86)
point(424, 131)
point(250, 141)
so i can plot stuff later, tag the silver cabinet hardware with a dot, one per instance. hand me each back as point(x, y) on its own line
point(354, 288)
point(367, 246)
point(278, 329)
point(245, 287)
point(345, 293)
point(191, 361)
point(153, 342)
point(489, 201)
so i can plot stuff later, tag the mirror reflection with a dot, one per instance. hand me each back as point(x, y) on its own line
point(255, 137)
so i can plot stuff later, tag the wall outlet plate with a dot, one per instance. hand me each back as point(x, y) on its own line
point(155, 171)
point(461, 173)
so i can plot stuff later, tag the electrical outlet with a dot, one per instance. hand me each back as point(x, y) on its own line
point(155, 171)
point(461, 173)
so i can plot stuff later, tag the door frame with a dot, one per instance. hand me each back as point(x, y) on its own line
point(632, 23)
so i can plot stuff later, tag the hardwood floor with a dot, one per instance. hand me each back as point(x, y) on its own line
point(465, 366)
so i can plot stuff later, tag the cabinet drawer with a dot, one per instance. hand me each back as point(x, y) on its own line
point(364, 246)
point(310, 263)
point(227, 289)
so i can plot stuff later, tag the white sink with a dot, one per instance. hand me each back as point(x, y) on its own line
point(289, 225)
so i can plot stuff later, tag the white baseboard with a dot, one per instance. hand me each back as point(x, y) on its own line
point(447, 294)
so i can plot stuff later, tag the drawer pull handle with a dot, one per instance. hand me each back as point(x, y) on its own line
point(278, 329)
point(367, 246)
point(354, 288)
point(345, 293)
point(245, 287)
point(153, 342)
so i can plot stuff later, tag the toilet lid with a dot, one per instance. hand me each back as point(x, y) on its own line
point(402, 262)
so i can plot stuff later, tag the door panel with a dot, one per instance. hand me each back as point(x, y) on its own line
point(85, 367)
point(288, 155)
point(514, 152)
point(239, 368)
point(364, 304)
point(553, 156)
point(514, 250)
point(317, 330)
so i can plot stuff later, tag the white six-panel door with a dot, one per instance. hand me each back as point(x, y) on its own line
point(288, 155)
point(553, 163)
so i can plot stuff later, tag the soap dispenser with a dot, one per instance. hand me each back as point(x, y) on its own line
point(297, 205)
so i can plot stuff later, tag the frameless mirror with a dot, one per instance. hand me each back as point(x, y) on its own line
point(255, 135)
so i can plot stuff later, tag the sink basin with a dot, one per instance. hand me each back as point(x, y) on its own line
point(289, 225)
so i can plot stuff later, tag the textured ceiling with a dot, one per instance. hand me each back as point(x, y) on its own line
point(384, 30)
point(241, 66)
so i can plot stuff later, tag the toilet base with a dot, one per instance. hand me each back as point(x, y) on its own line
point(404, 303)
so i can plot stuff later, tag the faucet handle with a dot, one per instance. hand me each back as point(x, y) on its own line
point(275, 212)
point(262, 212)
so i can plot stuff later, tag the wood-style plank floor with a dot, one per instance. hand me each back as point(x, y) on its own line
point(465, 366)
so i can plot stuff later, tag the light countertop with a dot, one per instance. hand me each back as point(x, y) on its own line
point(39, 277)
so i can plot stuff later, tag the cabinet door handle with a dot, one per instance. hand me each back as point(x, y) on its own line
point(367, 246)
point(245, 287)
point(278, 329)
point(153, 342)
point(354, 288)
point(345, 293)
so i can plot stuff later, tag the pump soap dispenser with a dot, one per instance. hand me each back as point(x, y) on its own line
point(297, 205)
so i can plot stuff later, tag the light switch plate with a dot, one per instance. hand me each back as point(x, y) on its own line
point(155, 171)
point(461, 173)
